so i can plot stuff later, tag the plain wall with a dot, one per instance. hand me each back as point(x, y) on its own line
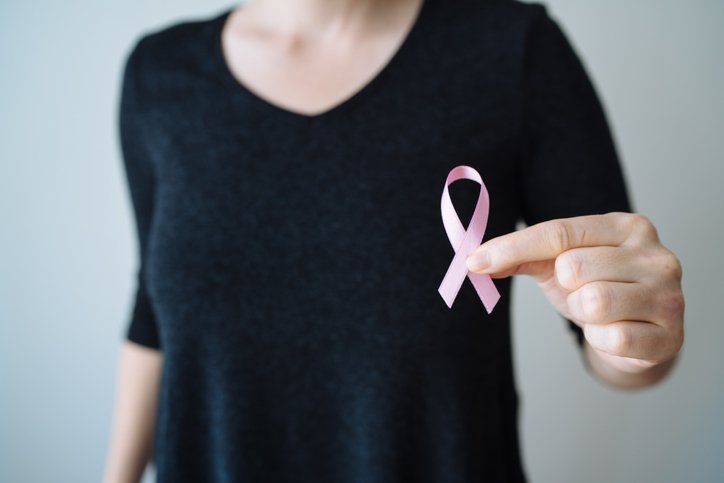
point(67, 247)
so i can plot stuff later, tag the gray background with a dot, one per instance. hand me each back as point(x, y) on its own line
point(67, 247)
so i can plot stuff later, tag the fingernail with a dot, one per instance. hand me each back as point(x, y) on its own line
point(478, 261)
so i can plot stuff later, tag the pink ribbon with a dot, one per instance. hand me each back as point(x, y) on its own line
point(464, 242)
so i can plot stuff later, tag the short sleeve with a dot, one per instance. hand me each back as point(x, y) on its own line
point(571, 166)
point(141, 182)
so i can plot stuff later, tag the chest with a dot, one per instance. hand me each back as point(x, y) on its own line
point(291, 214)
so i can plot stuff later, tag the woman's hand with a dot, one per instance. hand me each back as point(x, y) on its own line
point(609, 274)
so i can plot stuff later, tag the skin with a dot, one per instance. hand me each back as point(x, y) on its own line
point(134, 415)
point(609, 274)
point(309, 56)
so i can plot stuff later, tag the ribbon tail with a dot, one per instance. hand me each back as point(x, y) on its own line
point(486, 289)
point(453, 280)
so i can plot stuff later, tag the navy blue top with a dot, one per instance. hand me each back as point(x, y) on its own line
point(289, 263)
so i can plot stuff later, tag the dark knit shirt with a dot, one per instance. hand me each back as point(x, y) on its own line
point(289, 264)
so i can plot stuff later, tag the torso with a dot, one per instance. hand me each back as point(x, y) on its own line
point(294, 263)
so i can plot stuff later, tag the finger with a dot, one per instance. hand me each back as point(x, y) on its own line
point(579, 266)
point(603, 302)
point(548, 239)
point(639, 340)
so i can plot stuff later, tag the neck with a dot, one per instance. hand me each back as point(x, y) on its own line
point(320, 17)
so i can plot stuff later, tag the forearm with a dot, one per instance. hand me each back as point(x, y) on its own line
point(131, 442)
point(604, 367)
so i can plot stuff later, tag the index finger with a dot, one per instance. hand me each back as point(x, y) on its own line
point(547, 240)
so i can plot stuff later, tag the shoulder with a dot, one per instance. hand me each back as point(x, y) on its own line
point(498, 27)
point(510, 9)
point(179, 42)
point(487, 39)
point(503, 15)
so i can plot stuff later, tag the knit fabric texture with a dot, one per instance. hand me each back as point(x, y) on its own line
point(289, 263)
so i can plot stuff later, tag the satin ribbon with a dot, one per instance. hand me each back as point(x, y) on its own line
point(464, 242)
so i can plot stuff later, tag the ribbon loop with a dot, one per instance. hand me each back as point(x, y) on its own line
point(465, 241)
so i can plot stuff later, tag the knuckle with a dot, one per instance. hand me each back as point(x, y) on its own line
point(642, 226)
point(569, 270)
point(558, 235)
point(596, 300)
point(673, 304)
point(671, 265)
point(583, 236)
point(620, 339)
point(672, 342)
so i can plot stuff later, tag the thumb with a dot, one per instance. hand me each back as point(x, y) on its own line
point(540, 270)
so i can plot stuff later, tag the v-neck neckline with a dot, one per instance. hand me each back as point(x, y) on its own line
point(238, 86)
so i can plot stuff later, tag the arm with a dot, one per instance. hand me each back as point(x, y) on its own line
point(624, 289)
point(131, 442)
point(141, 358)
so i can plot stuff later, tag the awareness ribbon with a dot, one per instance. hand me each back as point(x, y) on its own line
point(464, 242)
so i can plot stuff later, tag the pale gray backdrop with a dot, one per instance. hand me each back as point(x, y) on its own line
point(67, 247)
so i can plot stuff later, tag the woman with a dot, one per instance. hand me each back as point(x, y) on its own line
point(285, 161)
